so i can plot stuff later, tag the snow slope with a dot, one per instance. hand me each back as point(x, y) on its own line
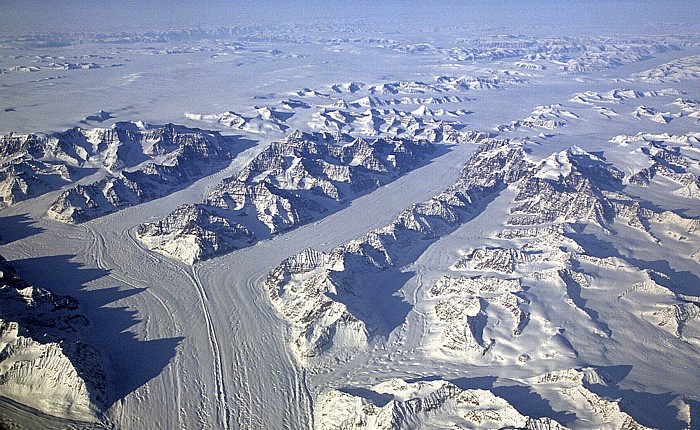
point(45, 365)
point(473, 227)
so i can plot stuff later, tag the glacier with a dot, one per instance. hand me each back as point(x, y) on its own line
point(336, 216)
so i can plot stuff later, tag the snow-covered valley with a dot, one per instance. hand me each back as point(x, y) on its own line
point(339, 226)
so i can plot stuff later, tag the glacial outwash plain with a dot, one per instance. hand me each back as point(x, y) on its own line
point(350, 215)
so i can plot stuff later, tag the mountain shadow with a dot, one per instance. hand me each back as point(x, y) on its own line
point(371, 280)
point(128, 361)
point(531, 404)
point(378, 399)
point(522, 398)
point(306, 205)
point(17, 227)
point(679, 282)
point(648, 409)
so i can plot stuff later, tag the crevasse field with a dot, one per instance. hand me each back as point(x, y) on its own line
point(350, 215)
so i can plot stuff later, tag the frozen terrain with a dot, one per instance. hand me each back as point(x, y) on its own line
point(332, 222)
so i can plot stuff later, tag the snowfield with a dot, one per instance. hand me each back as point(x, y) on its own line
point(333, 225)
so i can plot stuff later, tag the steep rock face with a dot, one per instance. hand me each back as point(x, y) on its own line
point(337, 281)
point(333, 300)
point(433, 404)
point(35, 159)
point(422, 123)
point(672, 163)
point(302, 284)
point(22, 179)
point(276, 208)
point(498, 260)
point(18, 145)
point(295, 177)
point(175, 156)
point(301, 162)
point(191, 233)
point(302, 178)
point(470, 82)
point(568, 186)
point(43, 363)
point(31, 165)
point(573, 389)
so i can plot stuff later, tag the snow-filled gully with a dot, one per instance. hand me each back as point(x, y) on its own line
point(222, 353)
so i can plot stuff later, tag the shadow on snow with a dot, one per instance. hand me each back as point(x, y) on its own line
point(17, 227)
point(129, 362)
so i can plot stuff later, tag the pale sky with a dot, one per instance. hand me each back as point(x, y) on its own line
point(24, 16)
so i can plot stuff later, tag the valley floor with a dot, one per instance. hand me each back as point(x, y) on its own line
point(201, 346)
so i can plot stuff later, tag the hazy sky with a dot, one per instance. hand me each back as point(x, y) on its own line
point(22, 16)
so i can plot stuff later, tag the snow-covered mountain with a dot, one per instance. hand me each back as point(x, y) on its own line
point(397, 404)
point(434, 222)
point(545, 117)
point(43, 362)
point(143, 163)
point(315, 291)
point(292, 182)
point(335, 301)
point(140, 162)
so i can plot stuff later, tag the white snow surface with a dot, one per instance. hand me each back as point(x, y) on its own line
point(553, 282)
